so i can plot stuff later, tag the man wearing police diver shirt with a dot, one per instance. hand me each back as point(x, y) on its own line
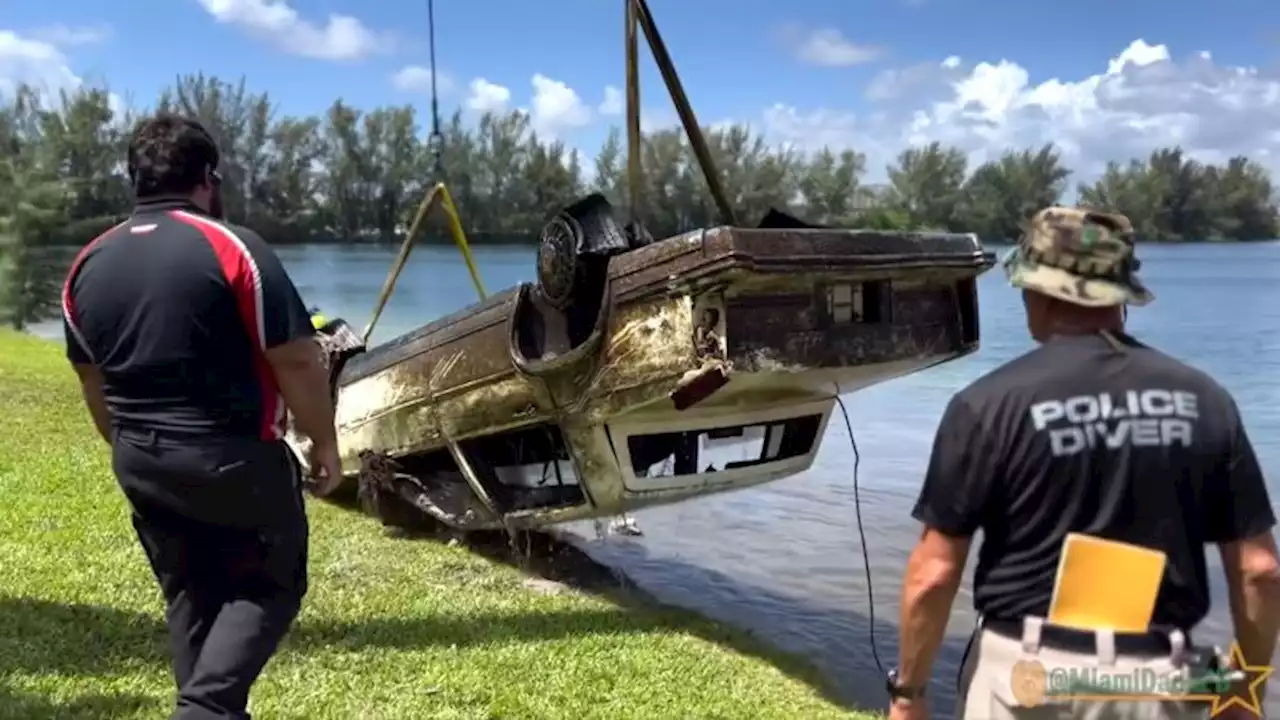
point(1092, 432)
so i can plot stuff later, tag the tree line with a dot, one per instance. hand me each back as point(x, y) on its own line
point(358, 176)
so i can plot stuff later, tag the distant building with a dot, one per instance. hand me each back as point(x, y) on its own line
point(869, 197)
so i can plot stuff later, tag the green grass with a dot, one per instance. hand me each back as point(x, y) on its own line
point(392, 628)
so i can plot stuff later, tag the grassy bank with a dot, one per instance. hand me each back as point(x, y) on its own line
point(392, 628)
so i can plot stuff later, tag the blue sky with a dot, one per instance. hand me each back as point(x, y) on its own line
point(805, 72)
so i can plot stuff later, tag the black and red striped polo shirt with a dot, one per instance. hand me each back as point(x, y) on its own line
point(177, 310)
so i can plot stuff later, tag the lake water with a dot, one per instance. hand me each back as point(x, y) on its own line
point(785, 560)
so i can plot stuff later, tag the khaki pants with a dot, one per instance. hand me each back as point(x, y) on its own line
point(1007, 679)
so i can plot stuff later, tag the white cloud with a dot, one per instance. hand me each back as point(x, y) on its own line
point(487, 97)
point(655, 119)
point(827, 47)
point(343, 37)
point(40, 64)
point(556, 107)
point(69, 36)
point(417, 79)
point(613, 103)
point(37, 63)
point(1142, 100)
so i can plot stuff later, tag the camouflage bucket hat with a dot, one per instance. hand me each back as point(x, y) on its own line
point(1079, 256)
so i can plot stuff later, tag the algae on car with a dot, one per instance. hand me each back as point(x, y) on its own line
point(392, 628)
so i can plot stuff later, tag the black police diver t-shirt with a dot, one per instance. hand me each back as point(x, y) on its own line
point(1100, 436)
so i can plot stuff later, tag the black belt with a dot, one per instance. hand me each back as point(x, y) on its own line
point(150, 436)
point(1154, 643)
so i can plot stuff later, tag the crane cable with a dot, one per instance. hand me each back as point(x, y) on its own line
point(438, 195)
point(436, 140)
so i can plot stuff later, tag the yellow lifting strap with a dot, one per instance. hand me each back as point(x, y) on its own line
point(438, 195)
point(638, 18)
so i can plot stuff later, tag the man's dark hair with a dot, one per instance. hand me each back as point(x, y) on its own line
point(170, 155)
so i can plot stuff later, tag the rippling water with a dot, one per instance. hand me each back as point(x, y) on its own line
point(785, 560)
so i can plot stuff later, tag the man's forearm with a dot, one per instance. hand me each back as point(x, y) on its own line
point(96, 402)
point(927, 595)
point(1255, 612)
point(95, 399)
point(1253, 590)
point(305, 387)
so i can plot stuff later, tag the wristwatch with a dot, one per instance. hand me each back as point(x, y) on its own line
point(898, 691)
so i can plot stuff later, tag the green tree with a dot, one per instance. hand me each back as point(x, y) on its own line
point(1000, 195)
point(928, 184)
point(1246, 207)
point(830, 185)
point(1171, 198)
point(358, 175)
point(34, 199)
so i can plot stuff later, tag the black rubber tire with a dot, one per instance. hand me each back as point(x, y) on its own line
point(558, 260)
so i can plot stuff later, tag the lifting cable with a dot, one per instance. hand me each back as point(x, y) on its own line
point(639, 21)
point(436, 140)
point(437, 195)
point(639, 16)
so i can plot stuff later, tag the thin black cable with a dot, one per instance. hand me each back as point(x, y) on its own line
point(437, 139)
point(866, 563)
point(964, 658)
point(862, 538)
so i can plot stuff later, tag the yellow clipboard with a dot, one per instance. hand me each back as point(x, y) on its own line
point(1106, 584)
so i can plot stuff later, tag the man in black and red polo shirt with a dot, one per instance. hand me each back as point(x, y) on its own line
point(190, 342)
